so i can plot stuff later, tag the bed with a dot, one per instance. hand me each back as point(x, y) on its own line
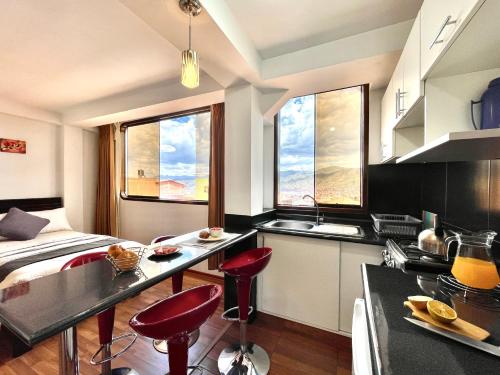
point(22, 261)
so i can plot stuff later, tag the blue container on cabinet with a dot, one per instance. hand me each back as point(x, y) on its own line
point(490, 106)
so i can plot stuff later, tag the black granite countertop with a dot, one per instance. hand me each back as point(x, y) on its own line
point(400, 348)
point(43, 307)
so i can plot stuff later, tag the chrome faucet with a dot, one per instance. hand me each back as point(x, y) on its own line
point(315, 204)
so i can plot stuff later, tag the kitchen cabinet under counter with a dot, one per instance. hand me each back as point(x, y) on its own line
point(398, 347)
point(314, 281)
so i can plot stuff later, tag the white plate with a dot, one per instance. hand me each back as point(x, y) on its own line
point(213, 239)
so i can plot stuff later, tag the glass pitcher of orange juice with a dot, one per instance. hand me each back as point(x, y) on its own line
point(474, 266)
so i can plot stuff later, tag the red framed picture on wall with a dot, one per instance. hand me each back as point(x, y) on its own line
point(14, 146)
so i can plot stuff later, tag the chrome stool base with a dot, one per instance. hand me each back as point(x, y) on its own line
point(254, 361)
point(123, 371)
point(201, 369)
point(161, 345)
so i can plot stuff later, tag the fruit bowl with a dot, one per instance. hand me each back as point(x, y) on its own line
point(127, 260)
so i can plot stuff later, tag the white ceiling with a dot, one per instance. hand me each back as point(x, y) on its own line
point(277, 27)
point(56, 54)
point(84, 61)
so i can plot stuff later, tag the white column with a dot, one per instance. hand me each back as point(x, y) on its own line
point(244, 133)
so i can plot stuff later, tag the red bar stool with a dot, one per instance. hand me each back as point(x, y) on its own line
point(244, 357)
point(105, 321)
point(177, 279)
point(174, 317)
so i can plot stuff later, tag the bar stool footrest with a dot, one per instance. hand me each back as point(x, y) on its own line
point(226, 314)
point(95, 361)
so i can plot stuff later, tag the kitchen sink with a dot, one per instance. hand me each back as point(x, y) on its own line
point(289, 224)
point(327, 228)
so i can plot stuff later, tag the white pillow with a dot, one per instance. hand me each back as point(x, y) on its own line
point(57, 217)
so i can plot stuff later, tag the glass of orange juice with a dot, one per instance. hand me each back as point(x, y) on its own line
point(474, 266)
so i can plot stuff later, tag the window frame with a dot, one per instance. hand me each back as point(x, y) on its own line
point(123, 131)
point(332, 208)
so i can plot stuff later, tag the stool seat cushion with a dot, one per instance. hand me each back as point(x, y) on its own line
point(84, 259)
point(248, 263)
point(178, 314)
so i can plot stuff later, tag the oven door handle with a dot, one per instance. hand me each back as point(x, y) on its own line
point(361, 354)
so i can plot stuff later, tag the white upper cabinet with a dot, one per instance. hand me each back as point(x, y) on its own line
point(398, 88)
point(441, 21)
point(413, 86)
point(403, 92)
point(387, 121)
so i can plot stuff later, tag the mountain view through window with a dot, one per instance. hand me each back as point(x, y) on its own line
point(320, 149)
point(169, 159)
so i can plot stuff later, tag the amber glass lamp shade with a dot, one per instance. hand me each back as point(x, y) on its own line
point(190, 69)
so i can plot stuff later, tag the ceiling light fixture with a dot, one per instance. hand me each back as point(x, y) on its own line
point(190, 64)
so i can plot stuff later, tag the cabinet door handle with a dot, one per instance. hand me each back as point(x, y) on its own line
point(402, 94)
point(447, 22)
point(397, 104)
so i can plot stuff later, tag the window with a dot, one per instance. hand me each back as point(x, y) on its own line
point(167, 158)
point(321, 150)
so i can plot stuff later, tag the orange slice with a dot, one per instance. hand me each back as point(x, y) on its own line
point(441, 311)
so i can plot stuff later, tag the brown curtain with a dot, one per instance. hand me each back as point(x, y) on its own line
point(216, 182)
point(106, 208)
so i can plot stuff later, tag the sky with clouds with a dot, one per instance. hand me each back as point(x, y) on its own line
point(296, 149)
point(185, 146)
point(183, 152)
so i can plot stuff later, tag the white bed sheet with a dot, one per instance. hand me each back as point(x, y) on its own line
point(49, 266)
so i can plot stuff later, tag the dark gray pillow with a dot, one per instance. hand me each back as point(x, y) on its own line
point(18, 225)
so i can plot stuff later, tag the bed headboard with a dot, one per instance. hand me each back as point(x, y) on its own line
point(31, 204)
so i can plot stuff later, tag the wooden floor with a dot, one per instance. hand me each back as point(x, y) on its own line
point(293, 348)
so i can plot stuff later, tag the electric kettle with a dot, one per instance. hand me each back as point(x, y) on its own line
point(490, 106)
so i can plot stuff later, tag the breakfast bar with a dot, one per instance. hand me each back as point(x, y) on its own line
point(44, 307)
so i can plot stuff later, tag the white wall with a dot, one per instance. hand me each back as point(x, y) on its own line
point(59, 161)
point(143, 221)
point(36, 174)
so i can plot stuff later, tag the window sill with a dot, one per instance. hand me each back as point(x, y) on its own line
point(157, 200)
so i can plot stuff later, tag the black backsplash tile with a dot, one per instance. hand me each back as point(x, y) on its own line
point(464, 194)
point(467, 196)
point(395, 189)
point(495, 197)
point(434, 188)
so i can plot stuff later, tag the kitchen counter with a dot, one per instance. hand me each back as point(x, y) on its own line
point(398, 347)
